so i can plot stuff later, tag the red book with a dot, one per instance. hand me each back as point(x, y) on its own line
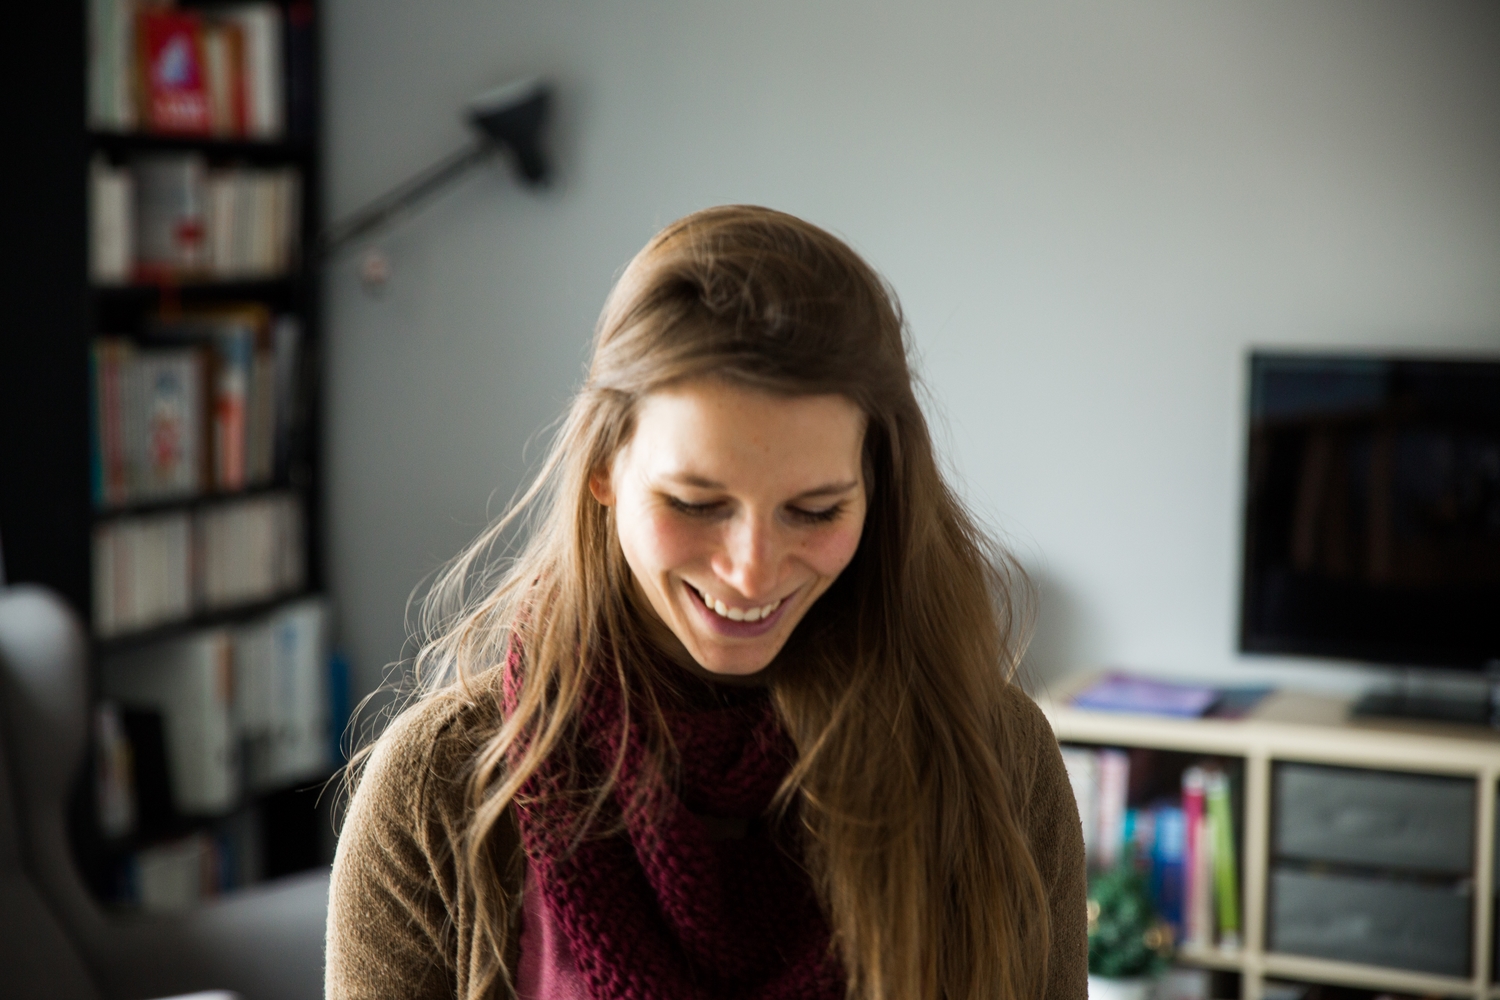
point(1198, 901)
point(174, 89)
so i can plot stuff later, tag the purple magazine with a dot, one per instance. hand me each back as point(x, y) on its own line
point(1119, 693)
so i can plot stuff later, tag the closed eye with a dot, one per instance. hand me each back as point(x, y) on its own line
point(816, 516)
point(695, 509)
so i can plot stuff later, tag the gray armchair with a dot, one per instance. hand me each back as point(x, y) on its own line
point(265, 943)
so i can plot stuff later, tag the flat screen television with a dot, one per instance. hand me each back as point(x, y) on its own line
point(1372, 510)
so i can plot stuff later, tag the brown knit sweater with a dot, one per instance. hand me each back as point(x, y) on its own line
point(401, 926)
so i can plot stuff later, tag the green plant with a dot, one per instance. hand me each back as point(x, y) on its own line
point(1126, 937)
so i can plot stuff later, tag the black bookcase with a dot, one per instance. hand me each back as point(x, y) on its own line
point(51, 315)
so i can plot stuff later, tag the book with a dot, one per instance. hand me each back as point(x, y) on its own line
point(250, 550)
point(224, 67)
point(171, 220)
point(111, 223)
point(235, 336)
point(1225, 867)
point(1169, 855)
point(265, 73)
point(111, 65)
point(153, 569)
point(172, 81)
point(1197, 868)
point(283, 695)
point(1113, 771)
point(165, 452)
point(142, 572)
point(190, 682)
point(1122, 693)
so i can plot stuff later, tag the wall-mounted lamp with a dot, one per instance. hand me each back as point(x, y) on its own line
point(508, 118)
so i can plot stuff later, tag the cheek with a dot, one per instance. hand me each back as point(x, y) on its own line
point(828, 552)
point(656, 542)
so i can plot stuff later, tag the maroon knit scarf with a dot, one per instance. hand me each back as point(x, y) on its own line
point(664, 910)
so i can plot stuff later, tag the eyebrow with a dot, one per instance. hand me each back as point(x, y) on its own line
point(703, 483)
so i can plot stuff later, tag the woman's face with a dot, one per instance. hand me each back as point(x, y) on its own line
point(736, 510)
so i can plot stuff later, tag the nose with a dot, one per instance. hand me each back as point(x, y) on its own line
point(749, 559)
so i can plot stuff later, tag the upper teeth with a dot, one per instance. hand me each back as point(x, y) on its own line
point(738, 614)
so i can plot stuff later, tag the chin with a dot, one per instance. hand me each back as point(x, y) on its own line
point(733, 666)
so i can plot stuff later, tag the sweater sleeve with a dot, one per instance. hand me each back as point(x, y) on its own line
point(1056, 837)
point(390, 922)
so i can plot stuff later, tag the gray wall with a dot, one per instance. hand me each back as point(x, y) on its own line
point(1091, 211)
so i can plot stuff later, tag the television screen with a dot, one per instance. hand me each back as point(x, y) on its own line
point(1372, 510)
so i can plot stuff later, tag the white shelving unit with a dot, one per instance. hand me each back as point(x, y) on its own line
point(1316, 729)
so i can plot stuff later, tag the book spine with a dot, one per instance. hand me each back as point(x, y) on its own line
point(230, 400)
point(1167, 874)
point(1226, 868)
point(1114, 787)
point(1196, 917)
point(111, 223)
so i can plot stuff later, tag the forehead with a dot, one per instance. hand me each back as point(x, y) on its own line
point(738, 437)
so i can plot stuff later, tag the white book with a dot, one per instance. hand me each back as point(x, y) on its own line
point(142, 572)
point(111, 56)
point(111, 223)
point(265, 73)
point(190, 682)
point(219, 70)
point(221, 209)
point(244, 223)
point(300, 742)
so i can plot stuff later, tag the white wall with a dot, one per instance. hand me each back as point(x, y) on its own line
point(1091, 211)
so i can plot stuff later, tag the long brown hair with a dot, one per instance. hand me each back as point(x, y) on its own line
point(891, 688)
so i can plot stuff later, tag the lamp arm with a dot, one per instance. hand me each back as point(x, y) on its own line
point(402, 197)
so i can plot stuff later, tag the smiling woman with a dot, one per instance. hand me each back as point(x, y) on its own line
point(737, 719)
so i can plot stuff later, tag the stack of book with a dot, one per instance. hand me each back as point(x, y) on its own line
point(238, 70)
point(1185, 844)
point(210, 405)
point(153, 569)
point(190, 726)
point(170, 217)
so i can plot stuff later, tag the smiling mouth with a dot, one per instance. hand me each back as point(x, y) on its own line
point(718, 607)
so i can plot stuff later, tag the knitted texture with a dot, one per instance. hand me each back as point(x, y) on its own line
point(657, 906)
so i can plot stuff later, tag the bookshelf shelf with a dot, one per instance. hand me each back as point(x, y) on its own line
point(1212, 958)
point(205, 288)
point(63, 239)
point(246, 150)
point(1317, 970)
point(115, 644)
point(1291, 728)
point(196, 502)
